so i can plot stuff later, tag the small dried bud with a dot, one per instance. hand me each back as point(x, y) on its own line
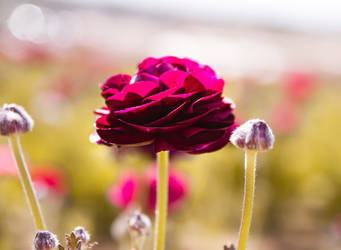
point(139, 224)
point(255, 135)
point(81, 234)
point(14, 119)
point(44, 240)
point(229, 247)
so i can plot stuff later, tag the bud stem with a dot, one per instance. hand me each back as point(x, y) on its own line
point(26, 182)
point(137, 243)
point(162, 201)
point(249, 191)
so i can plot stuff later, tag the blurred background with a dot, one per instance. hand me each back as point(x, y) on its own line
point(281, 62)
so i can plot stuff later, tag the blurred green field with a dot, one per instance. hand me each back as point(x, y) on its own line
point(298, 194)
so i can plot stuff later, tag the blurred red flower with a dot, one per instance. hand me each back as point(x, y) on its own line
point(298, 85)
point(130, 188)
point(284, 117)
point(122, 193)
point(177, 189)
point(49, 180)
point(7, 162)
point(46, 179)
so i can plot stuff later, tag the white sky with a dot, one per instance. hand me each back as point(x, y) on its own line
point(309, 15)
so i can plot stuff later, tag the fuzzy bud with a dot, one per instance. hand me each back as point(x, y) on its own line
point(139, 224)
point(14, 120)
point(229, 247)
point(81, 234)
point(44, 240)
point(254, 134)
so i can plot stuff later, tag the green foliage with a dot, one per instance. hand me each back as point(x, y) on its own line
point(298, 181)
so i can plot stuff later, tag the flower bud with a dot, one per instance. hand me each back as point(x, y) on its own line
point(229, 247)
point(81, 234)
point(254, 134)
point(14, 120)
point(139, 224)
point(44, 240)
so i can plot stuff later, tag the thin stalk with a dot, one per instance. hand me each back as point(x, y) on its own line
point(162, 201)
point(249, 191)
point(137, 243)
point(26, 182)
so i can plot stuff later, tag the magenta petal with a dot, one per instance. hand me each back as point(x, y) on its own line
point(202, 79)
point(173, 78)
point(108, 122)
point(173, 60)
point(160, 125)
point(102, 122)
point(155, 66)
point(175, 100)
point(192, 84)
point(141, 114)
point(160, 95)
point(176, 62)
point(145, 77)
point(142, 89)
point(163, 67)
point(190, 64)
point(125, 136)
point(109, 92)
point(207, 102)
point(154, 130)
point(196, 118)
point(208, 69)
point(116, 81)
point(218, 119)
point(198, 135)
point(190, 140)
point(169, 117)
point(148, 62)
point(122, 100)
point(214, 145)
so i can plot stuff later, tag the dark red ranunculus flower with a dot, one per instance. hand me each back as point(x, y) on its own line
point(175, 104)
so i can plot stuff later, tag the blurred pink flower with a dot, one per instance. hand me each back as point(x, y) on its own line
point(298, 85)
point(284, 117)
point(127, 189)
point(7, 162)
point(46, 179)
point(122, 193)
point(177, 189)
point(27, 52)
point(49, 180)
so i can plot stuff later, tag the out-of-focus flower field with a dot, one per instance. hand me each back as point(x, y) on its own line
point(298, 194)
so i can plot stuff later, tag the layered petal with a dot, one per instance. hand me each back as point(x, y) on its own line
point(172, 103)
point(116, 82)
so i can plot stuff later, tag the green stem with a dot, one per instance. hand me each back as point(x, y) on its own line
point(26, 182)
point(162, 201)
point(137, 243)
point(249, 190)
